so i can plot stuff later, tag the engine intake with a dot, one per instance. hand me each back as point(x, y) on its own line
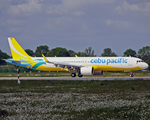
point(90, 71)
point(86, 70)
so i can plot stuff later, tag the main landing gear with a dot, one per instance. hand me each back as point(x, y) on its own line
point(131, 74)
point(80, 75)
point(74, 75)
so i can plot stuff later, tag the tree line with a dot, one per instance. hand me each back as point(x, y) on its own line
point(143, 53)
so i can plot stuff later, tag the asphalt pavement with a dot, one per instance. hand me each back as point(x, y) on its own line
point(76, 78)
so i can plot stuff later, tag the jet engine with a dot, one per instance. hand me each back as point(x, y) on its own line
point(90, 71)
point(86, 70)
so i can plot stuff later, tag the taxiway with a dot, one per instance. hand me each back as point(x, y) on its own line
point(76, 78)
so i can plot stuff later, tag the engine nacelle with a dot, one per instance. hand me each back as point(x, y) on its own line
point(86, 70)
point(98, 73)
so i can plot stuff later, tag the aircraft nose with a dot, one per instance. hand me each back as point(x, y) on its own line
point(145, 66)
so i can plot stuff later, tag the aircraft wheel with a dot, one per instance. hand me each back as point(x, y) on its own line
point(73, 75)
point(131, 74)
point(80, 75)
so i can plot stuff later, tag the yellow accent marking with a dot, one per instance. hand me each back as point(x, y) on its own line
point(18, 48)
point(45, 58)
point(111, 68)
point(45, 68)
point(76, 56)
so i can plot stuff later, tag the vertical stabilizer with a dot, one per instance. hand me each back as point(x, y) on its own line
point(16, 50)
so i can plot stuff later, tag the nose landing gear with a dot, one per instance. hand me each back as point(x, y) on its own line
point(131, 74)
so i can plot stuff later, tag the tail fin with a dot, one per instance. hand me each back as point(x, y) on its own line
point(16, 50)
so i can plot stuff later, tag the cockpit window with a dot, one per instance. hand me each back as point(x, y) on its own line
point(140, 61)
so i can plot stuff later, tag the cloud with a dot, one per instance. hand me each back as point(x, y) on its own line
point(32, 6)
point(119, 24)
point(136, 1)
point(75, 7)
point(14, 10)
point(72, 7)
point(75, 22)
point(55, 9)
point(76, 3)
point(15, 22)
point(79, 13)
point(139, 7)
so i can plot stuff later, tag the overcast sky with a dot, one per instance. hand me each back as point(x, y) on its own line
point(76, 24)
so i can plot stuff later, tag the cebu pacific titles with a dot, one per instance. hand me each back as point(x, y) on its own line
point(80, 65)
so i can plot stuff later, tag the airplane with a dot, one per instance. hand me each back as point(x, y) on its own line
point(80, 65)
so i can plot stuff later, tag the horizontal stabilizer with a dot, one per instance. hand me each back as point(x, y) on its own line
point(14, 61)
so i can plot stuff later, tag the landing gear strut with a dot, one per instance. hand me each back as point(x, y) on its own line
point(131, 74)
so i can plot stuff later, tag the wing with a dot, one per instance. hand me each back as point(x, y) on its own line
point(64, 65)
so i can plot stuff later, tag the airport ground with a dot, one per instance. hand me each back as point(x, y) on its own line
point(72, 100)
point(68, 74)
point(138, 75)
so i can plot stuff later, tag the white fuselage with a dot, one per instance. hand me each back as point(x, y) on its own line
point(98, 63)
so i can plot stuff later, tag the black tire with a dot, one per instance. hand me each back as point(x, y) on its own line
point(131, 75)
point(80, 75)
point(73, 75)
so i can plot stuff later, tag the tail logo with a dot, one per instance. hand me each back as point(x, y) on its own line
point(14, 49)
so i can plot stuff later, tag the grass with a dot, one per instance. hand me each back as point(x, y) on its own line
point(71, 100)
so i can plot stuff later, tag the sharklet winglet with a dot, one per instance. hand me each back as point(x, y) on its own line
point(45, 58)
